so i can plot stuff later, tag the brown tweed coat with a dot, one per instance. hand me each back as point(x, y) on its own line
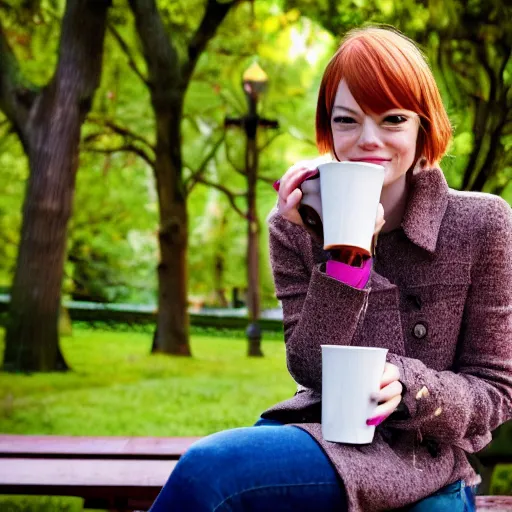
point(440, 299)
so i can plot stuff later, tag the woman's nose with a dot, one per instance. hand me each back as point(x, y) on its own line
point(369, 138)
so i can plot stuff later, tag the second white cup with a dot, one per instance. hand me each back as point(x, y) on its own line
point(349, 377)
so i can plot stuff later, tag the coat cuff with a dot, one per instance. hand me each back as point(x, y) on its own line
point(357, 277)
point(409, 404)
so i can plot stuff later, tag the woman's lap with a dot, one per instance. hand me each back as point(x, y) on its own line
point(271, 467)
point(268, 467)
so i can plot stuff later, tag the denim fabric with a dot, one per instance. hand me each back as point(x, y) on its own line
point(275, 468)
point(456, 497)
point(272, 467)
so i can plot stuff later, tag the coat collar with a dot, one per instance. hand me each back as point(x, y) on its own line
point(426, 206)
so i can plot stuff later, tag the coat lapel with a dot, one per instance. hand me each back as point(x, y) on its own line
point(426, 206)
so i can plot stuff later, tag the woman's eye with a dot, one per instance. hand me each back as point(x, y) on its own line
point(344, 120)
point(396, 119)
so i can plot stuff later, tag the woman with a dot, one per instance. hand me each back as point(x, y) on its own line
point(437, 294)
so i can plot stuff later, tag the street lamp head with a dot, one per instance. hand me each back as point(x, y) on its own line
point(254, 80)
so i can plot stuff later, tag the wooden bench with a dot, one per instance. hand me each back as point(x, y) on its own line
point(114, 473)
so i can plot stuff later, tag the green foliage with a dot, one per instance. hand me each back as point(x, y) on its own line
point(113, 234)
point(117, 388)
point(13, 503)
point(292, 51)
point(13, 173)
point(112, 249)
point(502, 480)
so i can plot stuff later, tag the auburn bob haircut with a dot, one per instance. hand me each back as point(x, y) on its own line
point(384, 70)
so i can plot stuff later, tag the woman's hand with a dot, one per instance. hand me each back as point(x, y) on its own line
point(389, 396)
point(288, 188)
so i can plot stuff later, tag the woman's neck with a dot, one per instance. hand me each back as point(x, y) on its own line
point(394, 200)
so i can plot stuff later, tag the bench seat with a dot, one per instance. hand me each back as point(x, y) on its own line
point(153, 448)
point(114, 473)
point(113, 484)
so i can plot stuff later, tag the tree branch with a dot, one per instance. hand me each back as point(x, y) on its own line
point(128, 53)
point(17, 94)
point(231, 196)
point(213, 16)
point(269, 142)
point(129, 148)
point(195, 175)
point(122, 130)
point(266, 180)
point(238, 169)
point(160, 53)
point(296, 134)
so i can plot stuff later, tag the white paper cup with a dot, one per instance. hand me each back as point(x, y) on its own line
point(349, 377)
point(350, 198)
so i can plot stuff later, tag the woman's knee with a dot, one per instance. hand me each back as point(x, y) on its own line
point(194, 483)
point(205, 457)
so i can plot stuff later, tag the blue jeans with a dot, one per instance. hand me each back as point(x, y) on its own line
point(276, 468)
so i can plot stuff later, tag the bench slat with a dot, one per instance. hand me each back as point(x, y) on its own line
point(21, 472)
point(158, 448)
point(494, 503)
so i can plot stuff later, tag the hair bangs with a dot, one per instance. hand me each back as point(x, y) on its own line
point(375, 76)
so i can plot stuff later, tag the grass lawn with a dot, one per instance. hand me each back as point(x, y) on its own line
point(118, 388)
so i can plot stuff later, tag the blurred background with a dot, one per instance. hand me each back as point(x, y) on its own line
point(138, 147)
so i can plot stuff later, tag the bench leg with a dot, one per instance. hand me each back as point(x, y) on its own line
point(486, 473)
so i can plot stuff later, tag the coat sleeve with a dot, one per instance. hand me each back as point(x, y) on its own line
point(311, 300)
point(463, 406)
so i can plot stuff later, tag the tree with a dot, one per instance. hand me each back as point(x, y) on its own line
point(169, 75)
point(470, 48)
point(47, 121)
point(474, 55)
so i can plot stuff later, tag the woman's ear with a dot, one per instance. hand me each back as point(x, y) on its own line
point(421, 163)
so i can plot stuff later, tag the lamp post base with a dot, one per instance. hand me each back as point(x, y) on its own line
point(253, 332)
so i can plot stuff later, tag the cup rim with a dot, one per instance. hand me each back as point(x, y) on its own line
point(360, 164)
point(350, 347)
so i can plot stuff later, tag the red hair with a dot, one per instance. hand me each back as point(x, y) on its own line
point(384, 70)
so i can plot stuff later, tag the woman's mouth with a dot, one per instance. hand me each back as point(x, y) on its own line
point(371, 160)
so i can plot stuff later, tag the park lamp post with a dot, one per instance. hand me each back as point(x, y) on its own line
point(254, 83)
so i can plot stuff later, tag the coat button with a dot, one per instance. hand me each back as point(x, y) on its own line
point(419, 331)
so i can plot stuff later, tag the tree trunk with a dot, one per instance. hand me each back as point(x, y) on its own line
point(53, 135)
point(171, 336)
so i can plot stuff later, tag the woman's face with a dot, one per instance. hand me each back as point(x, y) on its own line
point(387, 139)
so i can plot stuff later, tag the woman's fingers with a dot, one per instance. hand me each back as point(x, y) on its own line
point(389, 396)
point(383, 411)
point(288, 206)
point(290, 193)
point(379, 221)
point(292, 179)
point(388, 392)
point(391, 373)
